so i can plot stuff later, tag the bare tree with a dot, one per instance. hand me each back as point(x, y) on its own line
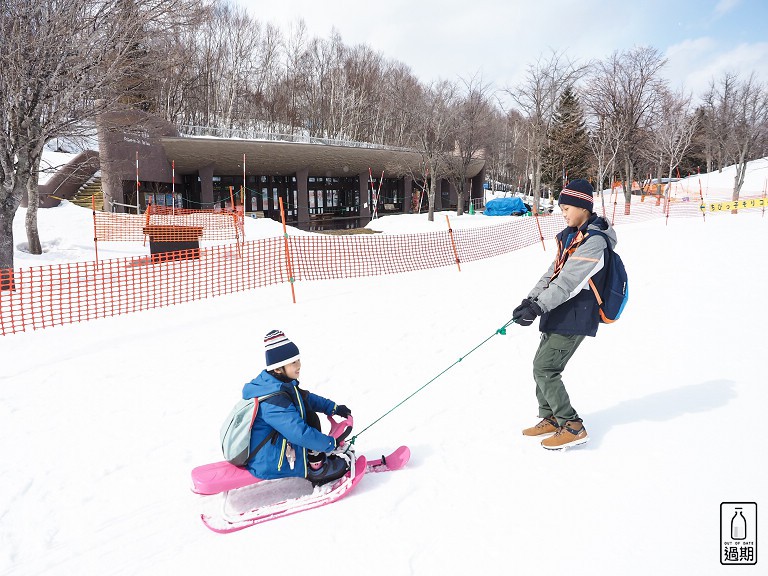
point(537, 99)
point(233, 71)
point(718, 118)
point(223, 46)
point(605, 137)
point(240, 46)
point(751, 124)
point(399, 91)
point(176, 87)
point(433, 133)
point(321, 71)
point(675, 129)
point(64, 63)
point(264, 85)
point(736, 113)
point(363, 94)
point(295, 46)
point(505, 156)
point(472, 128)
point(623, 92)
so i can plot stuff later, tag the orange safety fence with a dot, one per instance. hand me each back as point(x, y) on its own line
point(45, 296)
point(168, 225)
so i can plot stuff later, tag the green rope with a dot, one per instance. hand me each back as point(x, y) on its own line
point(502, 331)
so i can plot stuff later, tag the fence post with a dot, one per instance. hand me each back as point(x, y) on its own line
point(453, 243)
point(95, 234)
point(287, 251)
point(538, 225)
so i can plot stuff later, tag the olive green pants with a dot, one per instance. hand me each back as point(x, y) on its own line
point(548, 364)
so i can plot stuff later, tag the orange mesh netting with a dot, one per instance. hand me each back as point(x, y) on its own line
point(45, 296)
point(168, 225)
point(60, 294)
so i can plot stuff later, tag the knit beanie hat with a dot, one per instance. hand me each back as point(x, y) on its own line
point(577, 193)
point(279, 350)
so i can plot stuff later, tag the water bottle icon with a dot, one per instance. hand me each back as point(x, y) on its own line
point(738, 525)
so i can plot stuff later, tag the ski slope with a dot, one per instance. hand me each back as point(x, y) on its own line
point(101, 422)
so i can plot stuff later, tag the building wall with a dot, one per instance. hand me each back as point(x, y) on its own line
point(125, 138)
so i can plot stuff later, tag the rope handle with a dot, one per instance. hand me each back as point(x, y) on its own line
point(502, 331)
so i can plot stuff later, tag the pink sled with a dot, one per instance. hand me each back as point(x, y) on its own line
point(222, 476)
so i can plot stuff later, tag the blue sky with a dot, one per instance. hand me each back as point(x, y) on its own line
point(499, 38)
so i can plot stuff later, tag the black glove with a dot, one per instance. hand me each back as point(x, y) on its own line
point(343, 435)
point(524, 304)
point(342, 411)
point(526, 313)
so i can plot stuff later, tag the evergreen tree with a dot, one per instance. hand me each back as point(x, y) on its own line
point(698, 157)
point(567, 153)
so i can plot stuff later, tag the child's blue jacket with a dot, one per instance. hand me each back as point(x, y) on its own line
point(281, 424)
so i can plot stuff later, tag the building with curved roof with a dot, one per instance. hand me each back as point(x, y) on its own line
point(323, 184)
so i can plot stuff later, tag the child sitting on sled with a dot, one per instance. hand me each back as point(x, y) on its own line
point(286, 431)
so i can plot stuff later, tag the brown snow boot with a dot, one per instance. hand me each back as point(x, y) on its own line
point(546, 426)
point(572, 433)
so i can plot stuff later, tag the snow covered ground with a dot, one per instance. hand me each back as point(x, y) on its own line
point(101, 422)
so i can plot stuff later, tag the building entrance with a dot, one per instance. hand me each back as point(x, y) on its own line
point(264, 193)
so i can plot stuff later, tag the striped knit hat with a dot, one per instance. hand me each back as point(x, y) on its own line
point(279, 350)
point(577, 193)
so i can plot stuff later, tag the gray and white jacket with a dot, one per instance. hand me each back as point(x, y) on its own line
point(563, 293)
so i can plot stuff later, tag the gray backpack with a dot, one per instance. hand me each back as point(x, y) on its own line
point(235, 433)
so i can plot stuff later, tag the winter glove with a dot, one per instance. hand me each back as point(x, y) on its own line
point(342, 411)
point(526, 313)
point(524, 304)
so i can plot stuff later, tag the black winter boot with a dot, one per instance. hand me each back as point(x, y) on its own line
point(333, 468)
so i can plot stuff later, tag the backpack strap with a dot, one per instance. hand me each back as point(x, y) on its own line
point(595, 292)
point(261, 445)
point(272, 435)
point(608, 247)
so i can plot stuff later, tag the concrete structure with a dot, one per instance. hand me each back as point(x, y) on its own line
point(322, 185)
point(67, 180)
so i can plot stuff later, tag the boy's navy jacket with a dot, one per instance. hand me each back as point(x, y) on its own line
point(568, 303)
point(282, 421)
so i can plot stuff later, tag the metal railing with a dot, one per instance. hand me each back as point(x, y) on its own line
point(246, 134)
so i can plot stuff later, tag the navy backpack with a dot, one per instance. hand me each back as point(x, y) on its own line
point(614, 294)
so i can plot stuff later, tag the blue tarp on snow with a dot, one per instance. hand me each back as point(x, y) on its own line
point(505, 207)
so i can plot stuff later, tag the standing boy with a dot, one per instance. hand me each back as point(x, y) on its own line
point(564, 299)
